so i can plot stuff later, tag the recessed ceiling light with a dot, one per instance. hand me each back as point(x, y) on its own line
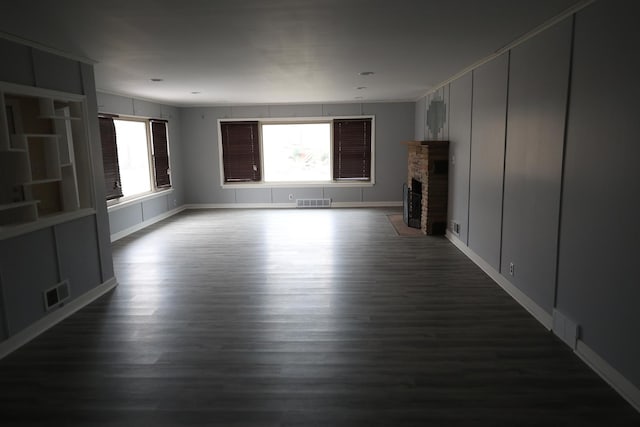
point(361, 87)
point(366, 73)
point(155, 80)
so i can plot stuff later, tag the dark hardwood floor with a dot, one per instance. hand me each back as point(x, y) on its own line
point(300, 317)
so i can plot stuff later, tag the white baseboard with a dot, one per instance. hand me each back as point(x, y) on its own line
point(615, 379)
point(536, 311)
point(32, 331)
point(123, 233)
point(291, 205)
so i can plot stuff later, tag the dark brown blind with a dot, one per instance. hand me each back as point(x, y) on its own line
point(240, 151)
point(352, 149)
point(112, 185)
point(160, 143)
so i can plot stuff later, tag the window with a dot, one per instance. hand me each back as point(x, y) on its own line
point(352, 149)
point(128, 146)
point(133, 157)
point(297, 152)
point(110, 158)
point(314, 151)
point(160, 142)
point(241, 151)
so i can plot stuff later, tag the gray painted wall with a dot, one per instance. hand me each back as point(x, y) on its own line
point(598, 282)
point(460, 92)
point(420, 119)
point(79, 258)
point(487, 158)
point(538, 82)
point(394, 124)
point(132, 214)
point(20, 68)
point(57, 73)
point(28, 268)
point(568, 219)
point(102, 218)
point(36, 261)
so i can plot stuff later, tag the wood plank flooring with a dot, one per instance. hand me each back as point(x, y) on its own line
point(300, 318)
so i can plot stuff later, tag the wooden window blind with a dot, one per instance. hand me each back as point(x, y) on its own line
point(160, 143)
point(352, 149)
point(240, 151)
point(113, 187)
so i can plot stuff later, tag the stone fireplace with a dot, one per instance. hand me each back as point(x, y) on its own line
point(428, 164)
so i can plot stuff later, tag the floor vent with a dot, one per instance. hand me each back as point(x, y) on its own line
point(313, 203)
point(57, 295)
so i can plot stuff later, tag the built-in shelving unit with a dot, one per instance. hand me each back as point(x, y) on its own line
point(44, 155)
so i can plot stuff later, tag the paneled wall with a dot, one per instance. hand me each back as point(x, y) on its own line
point(394, 123)
point(488, 118)
point(598, 281)
point(460, 153)
point(544, 149)
point(134, 215)
point(24, 278)
point(77, 250)
point(538, 82)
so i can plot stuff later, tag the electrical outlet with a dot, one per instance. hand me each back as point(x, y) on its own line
point(455, 227)
point(511, 268)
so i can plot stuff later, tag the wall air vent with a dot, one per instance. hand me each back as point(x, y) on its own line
point(313, 203)
point(566, 329)
point(55, 296)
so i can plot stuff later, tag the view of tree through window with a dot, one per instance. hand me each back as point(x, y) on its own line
point(297, 152)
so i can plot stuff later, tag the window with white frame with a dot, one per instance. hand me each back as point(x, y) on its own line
point(135, 156)
point(322, 151)
point(298, 152)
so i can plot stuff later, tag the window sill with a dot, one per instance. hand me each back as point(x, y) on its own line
point(114, 205)
point(329, 184)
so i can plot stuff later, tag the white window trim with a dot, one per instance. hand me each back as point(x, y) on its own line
point(121, 202)
point(297, 184)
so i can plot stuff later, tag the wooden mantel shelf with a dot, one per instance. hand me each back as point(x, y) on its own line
point(424, 143)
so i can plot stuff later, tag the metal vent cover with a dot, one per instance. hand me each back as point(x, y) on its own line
point(55, 296)
point(313, 203)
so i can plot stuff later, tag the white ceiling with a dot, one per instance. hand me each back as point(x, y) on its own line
point(275, 51)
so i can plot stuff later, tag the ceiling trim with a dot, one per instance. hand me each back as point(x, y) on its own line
point(520, 40)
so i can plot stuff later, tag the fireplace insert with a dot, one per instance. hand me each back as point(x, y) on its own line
point(412, 204)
